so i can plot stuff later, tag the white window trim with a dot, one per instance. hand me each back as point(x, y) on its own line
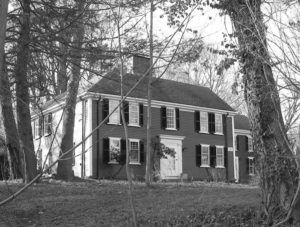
point(206, 122)
point(138, 115)
point(220, 166)
point(205, 165)
point(251, 158)
point(37, 126)
point(117, 111)
point(174, 121)
point(218, 133)
point(250, 148)
point(139, 155)
point(114, 138)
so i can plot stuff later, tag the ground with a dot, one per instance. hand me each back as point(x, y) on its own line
point(105, 203)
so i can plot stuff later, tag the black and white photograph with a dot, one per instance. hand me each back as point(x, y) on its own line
point(150, 113)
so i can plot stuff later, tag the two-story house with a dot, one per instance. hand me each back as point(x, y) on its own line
point(190, 119)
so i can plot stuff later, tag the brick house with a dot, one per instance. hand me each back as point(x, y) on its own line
point(190, 119)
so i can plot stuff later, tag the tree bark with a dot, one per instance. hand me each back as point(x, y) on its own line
point(64, 168)
point(274, 159)
point(149, 117)
point(9, 123)
point(22, 94)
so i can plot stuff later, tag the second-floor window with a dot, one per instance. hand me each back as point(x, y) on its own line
point(115, 116)
point(170, 118)
point(134, 114)
point(203, 122)
point(218, 124)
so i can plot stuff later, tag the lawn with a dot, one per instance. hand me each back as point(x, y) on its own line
point(105, 203)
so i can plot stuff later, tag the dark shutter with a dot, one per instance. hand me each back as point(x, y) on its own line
point(177, 118)
point(49, 124)
point(225, 156)
point(211, 123)
point(41, 123)
point(212, 156)
point(105, 109)
point(163, 114)
point(246, 143)
point(198, 155)
point(224, 120)
point(105, 150)
point(141, 105)
point(142, 153)
point(197, 121)
point(237, 142)
point(247, 165)
point(126, 111)
point(122, 159)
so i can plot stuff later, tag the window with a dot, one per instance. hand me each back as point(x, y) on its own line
point(38, 124)
point(115, 117)
point(171, 118)
point(218, 124)
point(205, 155)
point(114, 150)
point(220, 156)
point(134, 157)
point(48, 124)
point(250, 144)
point(134, 114)
point(251, 165)
point(203, 122)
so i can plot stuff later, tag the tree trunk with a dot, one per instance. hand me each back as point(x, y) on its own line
point(64, 169)
point(149, 117)
point(274, 160)
point(15, 157)
point(22, 94)
point(9, 123)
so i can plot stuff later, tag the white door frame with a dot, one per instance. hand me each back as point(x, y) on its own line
point(237, 169)
point(177, 142)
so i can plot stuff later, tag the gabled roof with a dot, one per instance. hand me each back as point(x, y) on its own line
point(162, 90)
point(241, 122)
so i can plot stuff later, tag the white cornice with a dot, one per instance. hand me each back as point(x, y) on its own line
point(154, 104)
point(158, 104)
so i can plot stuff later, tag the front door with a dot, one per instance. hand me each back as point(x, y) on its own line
point(171, 167)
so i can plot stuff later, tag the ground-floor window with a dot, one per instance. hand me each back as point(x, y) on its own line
point(251, 165)
point(114, 149)
point(134, 145)
point(205, 155)
point(220, 156)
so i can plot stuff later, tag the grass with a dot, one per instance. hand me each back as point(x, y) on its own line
point(105, 203)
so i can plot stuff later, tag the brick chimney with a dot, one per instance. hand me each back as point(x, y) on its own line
point(140, 64)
